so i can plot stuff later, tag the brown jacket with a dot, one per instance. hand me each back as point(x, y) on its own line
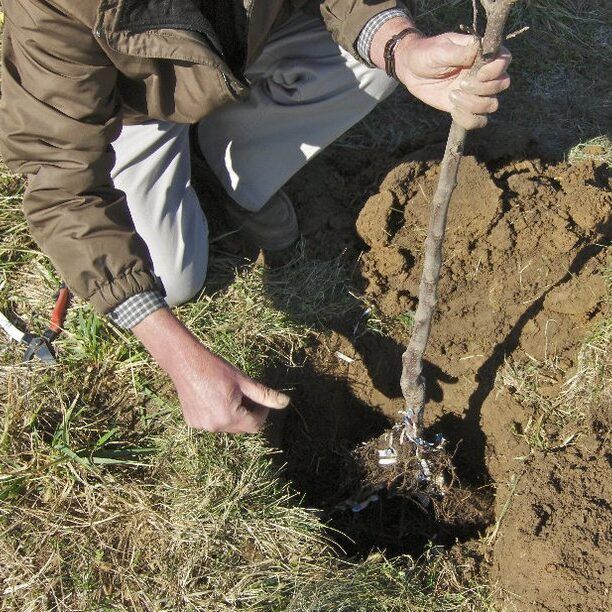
point(75, 70)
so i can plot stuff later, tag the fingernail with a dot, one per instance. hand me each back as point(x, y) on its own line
point(452, 96)
point(464, 84)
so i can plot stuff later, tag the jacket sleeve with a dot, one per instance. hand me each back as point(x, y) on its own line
point(59, 113)
point(346, 18)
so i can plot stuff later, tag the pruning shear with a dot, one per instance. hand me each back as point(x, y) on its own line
point(41, 346)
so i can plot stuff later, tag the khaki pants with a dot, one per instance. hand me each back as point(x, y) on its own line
point(306, 92)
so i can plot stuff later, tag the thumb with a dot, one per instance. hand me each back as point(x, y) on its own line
point(457, 50)
point(264, 396)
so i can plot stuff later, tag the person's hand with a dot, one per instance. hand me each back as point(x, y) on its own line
point(214, 395)
point(436, 70)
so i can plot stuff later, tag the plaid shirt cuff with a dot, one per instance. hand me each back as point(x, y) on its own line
point(364, 42)
point(136, 308)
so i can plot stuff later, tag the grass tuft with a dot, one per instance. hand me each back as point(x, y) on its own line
point(385, 586)
point(560, 405)
point(598, 149)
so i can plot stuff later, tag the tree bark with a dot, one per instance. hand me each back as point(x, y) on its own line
point(412, 381)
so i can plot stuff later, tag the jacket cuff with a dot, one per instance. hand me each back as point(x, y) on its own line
point(109, 295)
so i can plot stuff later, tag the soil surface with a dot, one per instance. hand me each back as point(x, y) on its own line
point(521, 281)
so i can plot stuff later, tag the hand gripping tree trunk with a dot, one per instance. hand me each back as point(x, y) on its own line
point(412, 380)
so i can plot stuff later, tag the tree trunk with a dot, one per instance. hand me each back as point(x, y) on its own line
point(412, 380)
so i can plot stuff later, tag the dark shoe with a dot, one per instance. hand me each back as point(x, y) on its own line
point(273, 228)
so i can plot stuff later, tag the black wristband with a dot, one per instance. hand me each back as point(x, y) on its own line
point(390, 47)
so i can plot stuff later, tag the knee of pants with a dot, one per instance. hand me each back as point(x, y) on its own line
point(379, 85)
point(183, 285)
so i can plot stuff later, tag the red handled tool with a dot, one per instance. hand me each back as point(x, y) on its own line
point(41, 346)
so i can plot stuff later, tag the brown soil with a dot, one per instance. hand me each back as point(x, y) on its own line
point(520, 281)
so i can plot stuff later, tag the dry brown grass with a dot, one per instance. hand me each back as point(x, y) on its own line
point(108, 502)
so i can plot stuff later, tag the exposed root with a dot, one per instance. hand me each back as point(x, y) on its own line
point(401, 504)
point(426, 470)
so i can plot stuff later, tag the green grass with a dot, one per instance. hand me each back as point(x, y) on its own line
point(16, 246)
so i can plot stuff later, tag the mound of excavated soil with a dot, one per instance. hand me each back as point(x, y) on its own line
point(513, 238)
point(521, 280)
